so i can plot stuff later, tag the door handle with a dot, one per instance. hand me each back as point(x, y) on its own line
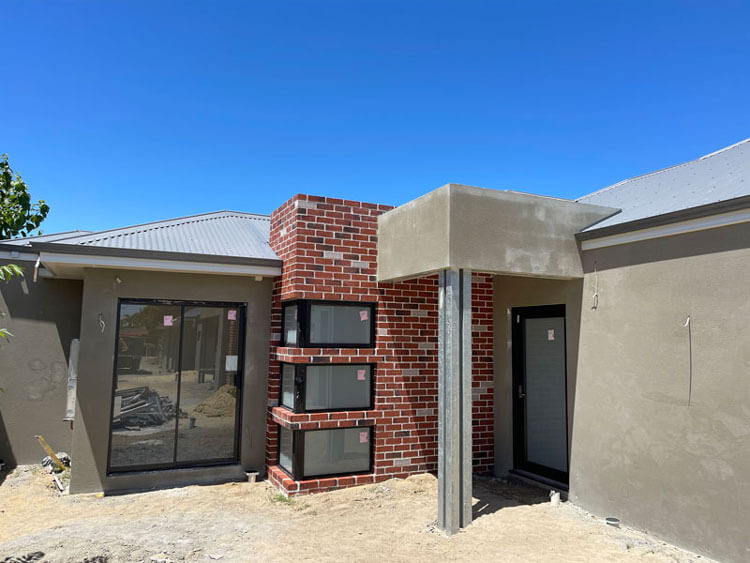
point(521, 394)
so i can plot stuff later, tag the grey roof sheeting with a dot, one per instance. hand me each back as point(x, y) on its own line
point(220, 234)
point(717, 177)
point(27, 241)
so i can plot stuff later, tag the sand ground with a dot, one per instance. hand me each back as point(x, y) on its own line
point(390, 521)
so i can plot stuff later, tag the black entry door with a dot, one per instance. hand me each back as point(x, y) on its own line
point(540, 409)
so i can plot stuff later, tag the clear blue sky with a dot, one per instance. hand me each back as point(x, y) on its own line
point(120, 112)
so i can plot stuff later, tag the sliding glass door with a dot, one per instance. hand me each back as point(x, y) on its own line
point(177, 382)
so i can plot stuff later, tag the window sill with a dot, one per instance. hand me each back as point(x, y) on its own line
point(322, 420)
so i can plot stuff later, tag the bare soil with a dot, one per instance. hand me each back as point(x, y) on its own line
point(393, 521)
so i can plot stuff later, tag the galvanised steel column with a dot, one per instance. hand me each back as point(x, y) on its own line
point(454, 400)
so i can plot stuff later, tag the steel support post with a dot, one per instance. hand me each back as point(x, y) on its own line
point(454, 400)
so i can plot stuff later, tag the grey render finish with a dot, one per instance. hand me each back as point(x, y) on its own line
point(97, 359)
point(504, 232)
point(717, 177)
point(43, 316)
point(661, 429)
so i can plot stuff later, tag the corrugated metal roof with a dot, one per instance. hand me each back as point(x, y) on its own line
point(719, 176)
point(222, 233)
point(26, 241)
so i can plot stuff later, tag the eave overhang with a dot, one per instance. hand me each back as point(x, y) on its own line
point(699, 218)
point(70, 261)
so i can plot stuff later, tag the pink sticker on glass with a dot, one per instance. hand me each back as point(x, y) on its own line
point(168, 320)
point(232, 314)
point(363, 315)
point(363, 436)
point(361, 374)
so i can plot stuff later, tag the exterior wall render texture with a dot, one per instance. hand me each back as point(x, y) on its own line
point(90, 443)
point(660, 452)
point(43, 316)
point(329, 249)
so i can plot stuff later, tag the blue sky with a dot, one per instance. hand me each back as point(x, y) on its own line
point(120, 112)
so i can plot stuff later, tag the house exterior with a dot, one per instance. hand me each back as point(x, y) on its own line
point(597, 345)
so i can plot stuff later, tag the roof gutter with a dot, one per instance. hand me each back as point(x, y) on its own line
point(702, 217)
point(59, 257)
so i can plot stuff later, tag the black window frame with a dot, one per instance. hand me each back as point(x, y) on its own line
point(303, 323)
point(300, 379)
point(298, 454)
point(242, 310)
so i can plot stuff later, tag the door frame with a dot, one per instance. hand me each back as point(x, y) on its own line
point(520, 460)
point(174, 464)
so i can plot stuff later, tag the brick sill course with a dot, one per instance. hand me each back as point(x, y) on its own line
point(279, 478)
point(326, 355)
point(317, 421)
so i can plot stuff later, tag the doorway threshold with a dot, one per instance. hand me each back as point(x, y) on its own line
point(537, 480)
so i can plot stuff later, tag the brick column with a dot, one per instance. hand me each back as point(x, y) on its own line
point(329, 251)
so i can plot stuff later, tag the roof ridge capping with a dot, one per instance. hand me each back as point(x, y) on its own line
point(661, 170)
point(738, 143)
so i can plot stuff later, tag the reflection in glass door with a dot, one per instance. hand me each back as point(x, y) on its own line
point(176, 385)
point(540, 391)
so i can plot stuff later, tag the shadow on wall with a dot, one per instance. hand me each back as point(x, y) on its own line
point(48, 301)
point(709, 241)
point(6, 452)
point(515, 291)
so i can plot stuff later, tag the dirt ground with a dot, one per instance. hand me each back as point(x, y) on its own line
point(393, 521)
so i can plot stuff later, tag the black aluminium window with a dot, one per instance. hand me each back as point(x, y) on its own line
point(305, 454)
point(328, 324)
point(176, 386)
point(327, 387)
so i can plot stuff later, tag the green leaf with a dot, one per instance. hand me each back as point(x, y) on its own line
point(9, 270)
point(18, 215)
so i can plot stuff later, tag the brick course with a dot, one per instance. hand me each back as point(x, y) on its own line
point(329, 249)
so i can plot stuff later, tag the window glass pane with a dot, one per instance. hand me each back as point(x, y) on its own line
point(145, 402)
point(337, 387)
point(285, 449)
point(287, 385)
point(291, 328)
point(345, 450)
point(348, 324)
point(209, 385)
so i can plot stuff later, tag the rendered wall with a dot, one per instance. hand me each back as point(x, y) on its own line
point(483, 230)
point(514, 291)
point(329, 248)
point(640, 451)
point(91, 430)
point(44, 316)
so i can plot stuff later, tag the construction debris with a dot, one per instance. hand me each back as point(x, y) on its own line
point(61, 456)
point(58, 464)
point(140, 406)
point(222, 403)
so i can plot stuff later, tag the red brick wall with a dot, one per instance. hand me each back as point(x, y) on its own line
point(329, 251)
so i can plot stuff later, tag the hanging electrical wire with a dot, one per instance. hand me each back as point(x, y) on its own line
point(595, 303)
